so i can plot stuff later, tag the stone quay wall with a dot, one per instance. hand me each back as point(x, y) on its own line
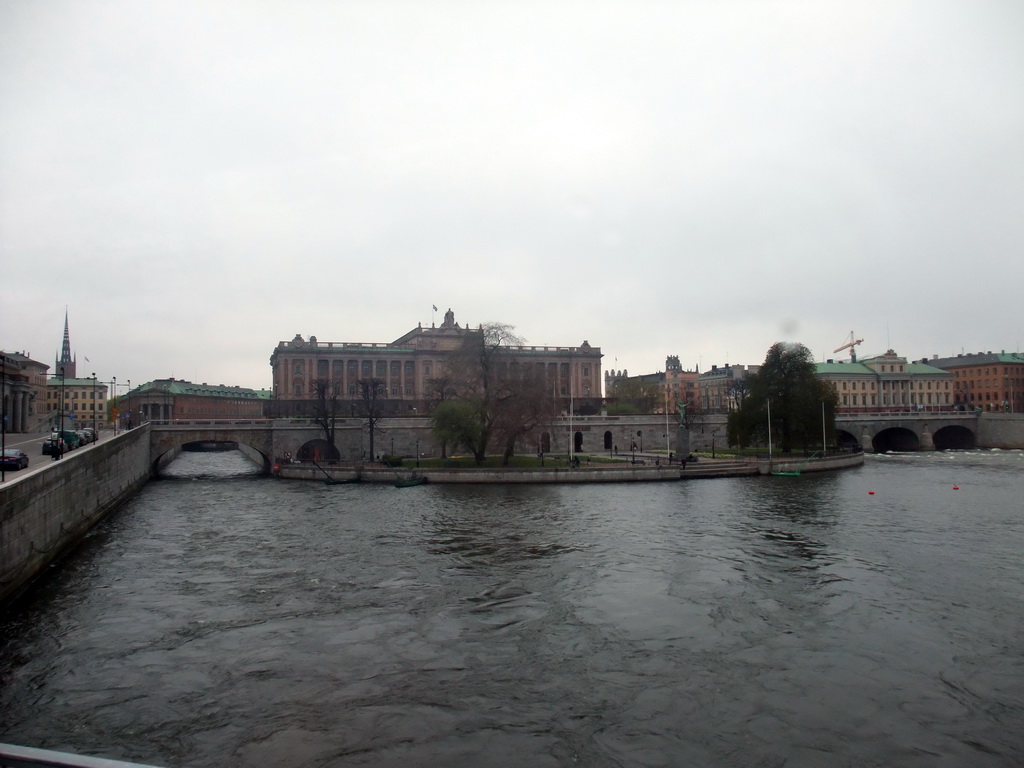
point(1001, 430)
point(44, 514)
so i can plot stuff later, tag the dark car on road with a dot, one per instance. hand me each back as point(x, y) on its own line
point(54, 446)
point(14, 459)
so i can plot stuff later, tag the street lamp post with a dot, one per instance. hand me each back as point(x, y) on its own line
point(94, 404)
point(3, 409)
point(60, 436)
point(822, 427)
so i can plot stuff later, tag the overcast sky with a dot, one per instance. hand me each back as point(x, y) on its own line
point(195, 181)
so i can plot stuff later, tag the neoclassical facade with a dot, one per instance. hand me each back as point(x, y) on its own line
point(888, 383)
point(24, 391)
point(408, 366)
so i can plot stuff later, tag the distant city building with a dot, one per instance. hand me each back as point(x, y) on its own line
point(82, 401)
point(991, 381)
point(888, 383)
point(178, 400)
point(412, 368)
point(664, 389)
point(721, 390)
point(24, 391)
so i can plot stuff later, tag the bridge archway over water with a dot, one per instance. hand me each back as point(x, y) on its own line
point(255, 439)
point(954, 436)
point(895, 439)
point(846, 440)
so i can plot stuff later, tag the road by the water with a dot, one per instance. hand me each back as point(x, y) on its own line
point(221, 619)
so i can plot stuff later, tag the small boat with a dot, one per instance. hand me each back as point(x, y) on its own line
point(408, 482)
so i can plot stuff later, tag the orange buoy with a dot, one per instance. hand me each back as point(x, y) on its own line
point(956, 487)
point(871, 493)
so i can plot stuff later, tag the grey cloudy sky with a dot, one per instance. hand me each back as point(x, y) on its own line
point(195, 181)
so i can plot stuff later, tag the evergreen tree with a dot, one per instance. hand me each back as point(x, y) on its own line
point(787, 385)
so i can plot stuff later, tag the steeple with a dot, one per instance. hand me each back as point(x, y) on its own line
point(65, 360)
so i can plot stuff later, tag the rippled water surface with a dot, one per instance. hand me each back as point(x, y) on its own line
point(221, 619)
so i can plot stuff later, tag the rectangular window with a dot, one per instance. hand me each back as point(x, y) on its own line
point(396, 369)
point(410, 369)
point(382, 369)
point(352, 390)
point(336, 367)
point(367, 369)
point(322, 369)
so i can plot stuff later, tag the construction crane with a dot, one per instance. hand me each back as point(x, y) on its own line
point(853, 342)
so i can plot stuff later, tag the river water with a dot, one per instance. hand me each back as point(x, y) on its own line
point(222, 619)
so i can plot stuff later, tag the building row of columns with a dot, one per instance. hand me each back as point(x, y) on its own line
point(16, 409)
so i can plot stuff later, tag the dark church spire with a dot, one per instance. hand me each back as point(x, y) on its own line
point(65, 360)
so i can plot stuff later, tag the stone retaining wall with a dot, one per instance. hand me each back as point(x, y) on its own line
point(45, 513)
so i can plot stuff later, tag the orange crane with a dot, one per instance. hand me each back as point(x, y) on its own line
point(853, 342)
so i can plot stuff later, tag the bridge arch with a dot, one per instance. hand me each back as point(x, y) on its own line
point(166, 440)
point(846, 439)
point(954, 436)
point(895, 439)
point(318, 450)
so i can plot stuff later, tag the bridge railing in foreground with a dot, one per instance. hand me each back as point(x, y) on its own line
point(12, 756)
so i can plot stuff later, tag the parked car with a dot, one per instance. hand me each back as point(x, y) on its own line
point(85, 436)
point(70, 438)
point(14, 459)
point(54, 446)
point(90, 435)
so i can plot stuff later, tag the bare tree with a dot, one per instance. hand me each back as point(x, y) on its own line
point(485, 379)
point(374, 394)
point(438, 391)
point(737, 391)
point(524, 403)
point(326, 408)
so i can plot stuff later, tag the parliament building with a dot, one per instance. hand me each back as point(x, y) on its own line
point(410, 364)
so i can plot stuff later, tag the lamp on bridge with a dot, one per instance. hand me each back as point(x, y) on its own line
point(60, 437)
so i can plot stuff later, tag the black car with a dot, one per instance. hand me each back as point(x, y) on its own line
point(54, 446)
point(14, 459)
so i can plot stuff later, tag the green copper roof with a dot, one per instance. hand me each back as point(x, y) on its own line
point(178, 387)
point(847, 368)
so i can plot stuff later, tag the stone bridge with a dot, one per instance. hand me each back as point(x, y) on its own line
point(166, 438)
point(267, 441)
point(925, 431)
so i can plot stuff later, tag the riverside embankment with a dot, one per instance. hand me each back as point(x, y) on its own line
point(613, 472)
point(45, 512)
